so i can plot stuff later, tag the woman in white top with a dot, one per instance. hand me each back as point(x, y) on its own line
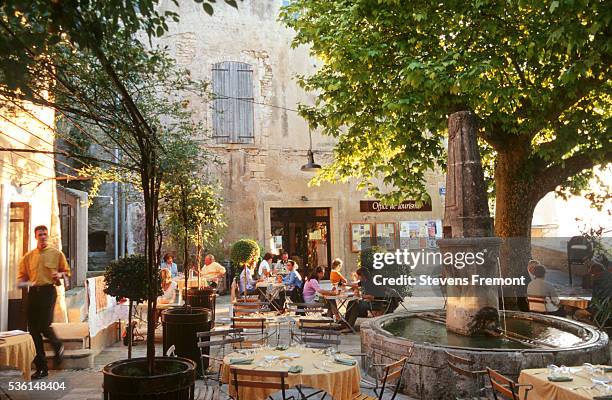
point(264, 266)
point(168, 287)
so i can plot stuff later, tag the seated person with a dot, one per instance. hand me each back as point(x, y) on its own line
point(265, 269)
point(312, 287)
point(335, 276)
point(213, 271)
point(373, 298)
point(540, 288)
point(246, 284)
point(170, 264)
point(602, 291)
point(293, 282)
point(168, 288)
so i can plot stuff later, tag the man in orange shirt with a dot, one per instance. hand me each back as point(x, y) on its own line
point(42, 269)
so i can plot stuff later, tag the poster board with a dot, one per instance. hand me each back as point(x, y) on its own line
point(359, 230)
point(386, 233)
point(416, 235)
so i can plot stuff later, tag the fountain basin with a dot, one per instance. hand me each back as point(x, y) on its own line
point(427, 375)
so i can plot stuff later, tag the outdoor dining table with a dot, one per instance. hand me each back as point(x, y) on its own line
point(272, 293)
point(580, 388)
point(192, 282)
point(342, 299)
point(18, 351)
point(319, 372)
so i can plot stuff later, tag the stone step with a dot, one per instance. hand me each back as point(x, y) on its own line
point(73, 359)
point(74, 335)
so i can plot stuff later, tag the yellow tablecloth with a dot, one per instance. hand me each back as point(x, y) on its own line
point(543, 389)
point(341, 381)
point(18, 351)
point(193, 282)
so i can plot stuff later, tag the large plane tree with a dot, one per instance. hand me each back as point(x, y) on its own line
point(536, 75)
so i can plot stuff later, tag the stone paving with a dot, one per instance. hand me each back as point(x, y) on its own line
point(87, 384)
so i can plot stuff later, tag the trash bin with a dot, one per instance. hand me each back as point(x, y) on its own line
point(179, 327)
point(205, 297)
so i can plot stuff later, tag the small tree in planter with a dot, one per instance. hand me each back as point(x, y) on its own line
point(244, 253)
point(127, 278)
point(192, 210)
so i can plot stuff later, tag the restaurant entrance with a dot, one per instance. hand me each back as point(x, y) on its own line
point(305, 234)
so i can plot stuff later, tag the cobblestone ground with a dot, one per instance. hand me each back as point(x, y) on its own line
point(87, 384)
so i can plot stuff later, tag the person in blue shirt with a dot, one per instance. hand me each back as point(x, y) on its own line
point(169, 263)
point(246, 280)
point(293, 280)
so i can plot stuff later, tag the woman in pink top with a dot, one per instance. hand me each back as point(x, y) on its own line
point(312, 287)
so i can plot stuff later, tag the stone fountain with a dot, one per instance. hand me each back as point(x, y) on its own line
point(470, 326)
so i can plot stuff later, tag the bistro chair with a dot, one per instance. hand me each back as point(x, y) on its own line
point(308, 309)
point(537, 303)
point(250, 378)
point(249, 307)
point(391, 373)
point(207, 345)
point(459, 366)
point(505, 388)
point(374, 363)
point(309, 331)
point(254, 331)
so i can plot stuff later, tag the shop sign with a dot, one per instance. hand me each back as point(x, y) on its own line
point(377, 206)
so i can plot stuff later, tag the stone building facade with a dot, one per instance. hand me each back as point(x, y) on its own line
point(253, 128)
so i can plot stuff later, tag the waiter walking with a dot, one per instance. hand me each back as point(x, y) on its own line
point(42, 269)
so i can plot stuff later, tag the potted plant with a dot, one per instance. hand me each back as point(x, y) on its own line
point(192, 214)
point(243, 254)
point(127, 278)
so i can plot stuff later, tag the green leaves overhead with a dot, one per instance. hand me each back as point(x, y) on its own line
point(536, 74)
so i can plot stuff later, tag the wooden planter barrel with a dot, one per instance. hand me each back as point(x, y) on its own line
point(179, 327)
point(127, 380)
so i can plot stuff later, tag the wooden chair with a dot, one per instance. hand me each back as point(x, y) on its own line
point(254, 331)
point(537, 304)
point(505, 387)
point(320, 338)
point(248, 307)
point(297, 331)
point(264, 380)
point(458, 366)
point(307, 308)
point(392, 372)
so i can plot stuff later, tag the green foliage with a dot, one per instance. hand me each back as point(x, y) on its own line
point(127, 278)
point(192, 207)
point(366, 260)
point(536, 74)
point(244, 252)
point(42, 24)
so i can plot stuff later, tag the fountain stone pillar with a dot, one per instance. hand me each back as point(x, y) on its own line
point(468, 229)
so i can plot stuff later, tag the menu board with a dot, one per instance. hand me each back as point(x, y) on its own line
point(359, 231)
point(385, 235)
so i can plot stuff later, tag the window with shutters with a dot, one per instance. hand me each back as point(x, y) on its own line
point(232, 104)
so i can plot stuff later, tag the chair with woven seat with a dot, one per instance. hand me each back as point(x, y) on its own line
point(505, 388)
point(243, 378)
point(461, 367)
point(391, 372)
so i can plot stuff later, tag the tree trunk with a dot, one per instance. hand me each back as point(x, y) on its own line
point(129, 331)
point(514, 207)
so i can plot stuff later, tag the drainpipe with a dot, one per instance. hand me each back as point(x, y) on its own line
point(123, 219)
point(116, 210)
